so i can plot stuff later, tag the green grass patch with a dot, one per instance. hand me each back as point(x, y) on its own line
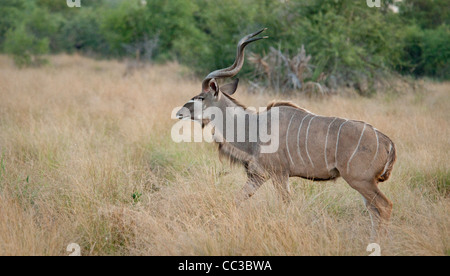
point(437, 182)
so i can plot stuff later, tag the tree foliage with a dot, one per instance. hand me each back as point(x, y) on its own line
point(25, 48)
point(345, 38)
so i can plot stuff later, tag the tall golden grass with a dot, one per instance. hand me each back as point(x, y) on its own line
point(86, 157)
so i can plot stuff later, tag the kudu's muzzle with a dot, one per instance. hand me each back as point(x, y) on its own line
point(190, 111)
point(184, 113)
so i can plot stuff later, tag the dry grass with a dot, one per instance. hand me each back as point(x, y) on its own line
point(78, 140)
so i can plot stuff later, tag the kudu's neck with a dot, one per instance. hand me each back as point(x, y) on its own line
point(235, 125)
point(227, 103)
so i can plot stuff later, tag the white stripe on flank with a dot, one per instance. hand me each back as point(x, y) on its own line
point(326, 143)
point(376, 153)
point(337, 141)
point(357, 146)
point(287, 138)
point(387, 163)
point(298, 139)
point(306, 141)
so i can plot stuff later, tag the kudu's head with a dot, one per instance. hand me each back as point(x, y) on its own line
point(211, 93)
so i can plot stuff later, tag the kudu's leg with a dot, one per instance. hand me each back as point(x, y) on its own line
point(281, 183)
point(384, 208)
point(253, 183)
point(379, 206)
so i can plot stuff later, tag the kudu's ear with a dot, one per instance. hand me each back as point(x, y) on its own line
point(230, 88)
point(214, 87)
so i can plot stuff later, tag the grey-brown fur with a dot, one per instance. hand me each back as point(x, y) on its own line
point(310, 146)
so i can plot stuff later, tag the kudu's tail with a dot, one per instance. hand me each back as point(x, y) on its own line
point(392, 156)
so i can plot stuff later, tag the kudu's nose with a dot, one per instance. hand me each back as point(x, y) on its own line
point(183, 113)
point(179, 114)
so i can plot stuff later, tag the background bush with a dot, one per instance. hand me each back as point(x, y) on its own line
point(347, 40)
point(25, 48)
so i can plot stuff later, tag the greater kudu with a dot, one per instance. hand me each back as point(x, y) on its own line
point(311, 146)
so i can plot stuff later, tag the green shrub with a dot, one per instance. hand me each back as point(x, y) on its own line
point(436, 52)
point(426, 52)
point(44, 25)
point(348, 41)
point(427, 14)
point(10, 15)
point(126, 24)
point(83, 33)
point(25, 48)
point(412, 52)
